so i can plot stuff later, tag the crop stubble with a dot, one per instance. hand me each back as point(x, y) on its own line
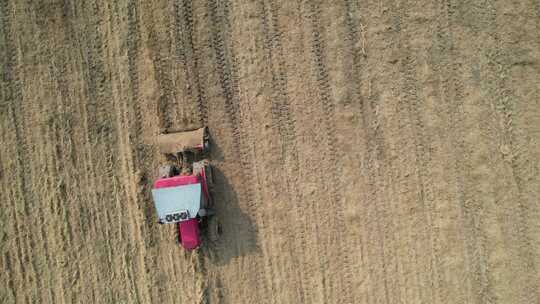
point(367, 152)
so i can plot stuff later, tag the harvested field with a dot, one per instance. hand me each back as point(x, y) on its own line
point(365, 151)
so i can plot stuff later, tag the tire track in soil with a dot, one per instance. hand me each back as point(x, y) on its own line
point(180, 49)
point(43, 259)
point(356, 67)
point(422, 154)
point(100, 91)
point(280, 104)
point(58, 75)
point(132, 41)
point(59, 138)
point(484, 288)
point(413, 266)
point(11, 267)
point(7, 264)
point(310, 239)
point(141, 152)
point(52, 138)
point(93, 78)
point(127, 156)
point(294, 33)
point(22, 193)
point(505, 102)
point(380, 160)
point(137, 164)
point(283, 118)
point(451, 97)
point(187, 49)
point(475, 256)
point(14, 102)
point(248, 101)
point(371, 136)
point(71, 175)
point(101, 133)
point(119, 172)
point(321, 84)
point(166, 101)
point(226, 62)
point(331, 155)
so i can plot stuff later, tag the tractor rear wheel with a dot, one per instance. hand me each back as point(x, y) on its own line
point(209, 172)
point(206, 142)
point(214, 228)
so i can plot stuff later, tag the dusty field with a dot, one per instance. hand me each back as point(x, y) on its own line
point(367, 151)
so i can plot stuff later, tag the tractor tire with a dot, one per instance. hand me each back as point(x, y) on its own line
point(210, 198)
point(206, 142)
point(166, 171)
point(214, 228)
point(209, 176)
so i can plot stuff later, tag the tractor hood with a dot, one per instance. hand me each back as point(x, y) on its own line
point(189, 234)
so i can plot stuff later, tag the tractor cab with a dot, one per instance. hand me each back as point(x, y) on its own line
point(178, 199)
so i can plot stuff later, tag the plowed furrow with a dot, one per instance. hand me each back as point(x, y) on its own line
point(451, 90)
point(101, 131)
point(52, 152)
point(9, 281)
point(331, 154)
point(161, 65)
point(282, 117)
point(11, 258)
point(226, 65)
point(60, 139)
point(229, 86)
point(387, 252)
point(123, 222)
point(66, 157)
point(422, 157)
point(316, 284)
point(453, 95)
point(22, 197)
point(189, 55)
point(181, 57)
point(111, 141)
point(137, 162)
point(133, 43)
point(280, 103)
point(353, 30)
point(502, 93)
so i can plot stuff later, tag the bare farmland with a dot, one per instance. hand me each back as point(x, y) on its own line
point(366, 151)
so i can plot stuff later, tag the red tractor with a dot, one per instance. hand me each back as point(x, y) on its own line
point(182, 192)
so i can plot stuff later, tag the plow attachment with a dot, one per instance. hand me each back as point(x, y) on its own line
point(177, 142)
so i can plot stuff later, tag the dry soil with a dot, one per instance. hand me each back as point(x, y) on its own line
point(366, 151)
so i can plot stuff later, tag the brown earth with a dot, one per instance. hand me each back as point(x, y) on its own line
point(366, 151)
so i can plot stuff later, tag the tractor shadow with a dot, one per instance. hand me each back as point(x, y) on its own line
point(238, 235)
